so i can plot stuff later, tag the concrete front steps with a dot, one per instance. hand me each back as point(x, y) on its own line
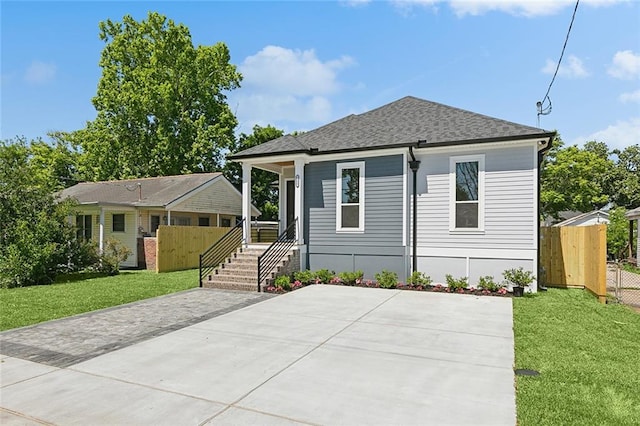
point(240, 270)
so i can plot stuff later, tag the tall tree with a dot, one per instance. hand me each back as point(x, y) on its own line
point(263, 194)
point(625, 177)
point(161, 103)
point(573, 179)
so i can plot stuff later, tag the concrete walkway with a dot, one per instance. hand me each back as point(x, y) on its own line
point(319, 355)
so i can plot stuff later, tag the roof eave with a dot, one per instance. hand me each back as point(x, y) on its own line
point(418, 144)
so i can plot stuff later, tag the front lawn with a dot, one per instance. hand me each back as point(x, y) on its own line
point(588, 356)
point(31, 305)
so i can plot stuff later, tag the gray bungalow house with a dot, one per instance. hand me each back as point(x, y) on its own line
point(410, 185)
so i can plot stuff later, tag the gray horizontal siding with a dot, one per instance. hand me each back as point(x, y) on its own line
point(383, 204)
point(509, 201)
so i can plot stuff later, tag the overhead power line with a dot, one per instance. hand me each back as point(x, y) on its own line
point(542, 109)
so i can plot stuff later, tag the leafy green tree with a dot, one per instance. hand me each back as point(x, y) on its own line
point(573, 179)
point(55, 163)
point(263, 193)
point(618, 233)
point(36, 239)
point(625, 177)
point(161, 103)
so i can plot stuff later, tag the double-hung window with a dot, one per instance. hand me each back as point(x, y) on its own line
point(350, 197)
point(117, 224)
point(83, 227)
point(466, 180)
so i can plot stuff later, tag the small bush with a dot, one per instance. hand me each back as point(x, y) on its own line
point(418, 278)
point(283, 282)
point(387, 279)
point(305, 277)
point(457, 283)
point(113, 253)
point(488, 283)
point(324, 276)
point(519, 277)
point(351, 278)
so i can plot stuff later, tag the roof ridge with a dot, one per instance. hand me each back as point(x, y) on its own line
point(149, 178)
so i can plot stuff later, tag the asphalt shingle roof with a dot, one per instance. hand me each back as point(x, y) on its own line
point(156, 191)
point(400, 123)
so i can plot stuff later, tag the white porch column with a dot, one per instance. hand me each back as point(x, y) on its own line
point(101, 230)
point(246, 202)
point(168, 217)
point(299, 202)
point(282, 203)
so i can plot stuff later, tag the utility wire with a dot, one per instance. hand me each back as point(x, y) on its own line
point(566, 40)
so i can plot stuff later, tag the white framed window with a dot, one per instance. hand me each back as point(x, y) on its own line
point(83, 227)
point(350, 197)
point(466, 193)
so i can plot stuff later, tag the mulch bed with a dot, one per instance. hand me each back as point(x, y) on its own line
point(438, 288)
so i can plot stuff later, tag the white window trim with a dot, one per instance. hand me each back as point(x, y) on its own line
point(452, 193)
point(361, 180)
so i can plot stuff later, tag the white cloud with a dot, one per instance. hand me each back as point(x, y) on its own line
point(527, 8)
point(571, 68)
point(625, 65)
point(266, 109)
point(40, 72)
point(406, 6)
point(619, 135)
point(297, 72)
point(355, 3)
point(630, 97)
point(282, 84)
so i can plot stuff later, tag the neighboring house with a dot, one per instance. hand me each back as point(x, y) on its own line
point(129, 209)
point(350, 186)
point(595, 217)
point(634, 215)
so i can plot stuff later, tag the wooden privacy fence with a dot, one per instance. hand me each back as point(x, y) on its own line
point(575, 256)
point(178, 247)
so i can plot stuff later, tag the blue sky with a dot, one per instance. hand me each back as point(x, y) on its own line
point(308, 63)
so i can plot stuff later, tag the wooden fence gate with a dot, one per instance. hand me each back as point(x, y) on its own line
point(575, 256)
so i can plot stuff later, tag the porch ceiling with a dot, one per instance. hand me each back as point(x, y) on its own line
point(275, 167)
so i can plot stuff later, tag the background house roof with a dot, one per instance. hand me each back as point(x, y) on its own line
point(400, 123)
point(144, 192)
point(633, 214)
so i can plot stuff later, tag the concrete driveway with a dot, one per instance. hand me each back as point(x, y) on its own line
point(319, 355)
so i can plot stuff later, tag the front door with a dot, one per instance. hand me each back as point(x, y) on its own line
point(290, 195)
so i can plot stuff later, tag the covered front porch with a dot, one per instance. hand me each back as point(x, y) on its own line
point(290, 184)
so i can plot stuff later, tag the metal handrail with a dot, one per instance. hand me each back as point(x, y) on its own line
point(268, 260)
point(220, 250)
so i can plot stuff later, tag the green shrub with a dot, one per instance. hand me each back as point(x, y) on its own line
point(325, 275)
point(351, 278)
point(519, 277)
point(283, 282)
point(113, 252)
point(457, 283)
point(305, 277)
point(488, 283)
point(387, 279)
point(418, 278)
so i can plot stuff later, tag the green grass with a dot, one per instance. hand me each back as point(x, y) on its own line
point(588, 356)
point(31, 305)
point(630, 268)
